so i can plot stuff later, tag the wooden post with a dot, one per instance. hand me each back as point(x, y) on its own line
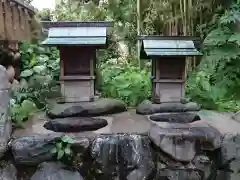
point(91, 98)
point(154, 66)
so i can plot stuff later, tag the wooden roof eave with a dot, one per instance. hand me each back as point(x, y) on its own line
point(25, 5)
point(48, 24)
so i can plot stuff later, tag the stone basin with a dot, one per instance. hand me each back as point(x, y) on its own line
point(134, 147)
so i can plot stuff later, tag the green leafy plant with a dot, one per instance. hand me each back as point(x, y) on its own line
point(39, 72)
point(62, 149)
point(125, 81)
point(216, 82)
point(21, 112)
point(39, 60)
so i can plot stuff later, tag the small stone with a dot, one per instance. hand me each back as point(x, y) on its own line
point(17, 56)
point(75, 124)
point(10, 73)
point(55, 171)
point(204, 164)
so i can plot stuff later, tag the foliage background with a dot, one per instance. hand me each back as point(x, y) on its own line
point(213, 83)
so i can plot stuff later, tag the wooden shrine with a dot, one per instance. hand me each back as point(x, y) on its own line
point(77, 43)
point(168, 56)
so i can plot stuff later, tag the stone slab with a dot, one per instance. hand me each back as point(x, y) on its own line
point(147, 107)
point(100, 107)
point(75, 124)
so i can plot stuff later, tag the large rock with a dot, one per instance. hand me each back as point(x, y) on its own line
point(5, 122)
point(98, 108)
point(182, 117)
point(198, 169)
point(176, 140)
point(75, 124)
point(33, 150)
point(168, 168)
point(122, 156)
point(55, 171)
point(230, 151)
point(8, 172)
point(147, 107)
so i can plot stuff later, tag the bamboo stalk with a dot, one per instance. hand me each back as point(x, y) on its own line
point(138, 31)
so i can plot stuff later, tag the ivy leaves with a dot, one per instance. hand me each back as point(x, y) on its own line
point(63, 148)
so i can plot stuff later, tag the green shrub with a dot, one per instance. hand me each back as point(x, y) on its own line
point(124, 81)
point(215, 84)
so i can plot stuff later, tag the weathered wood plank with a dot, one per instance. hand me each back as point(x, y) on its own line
point(12, 6)
point(8, 21)
point(27, 27)
point(22, 24)
point(2, 26)
point(16, 23)
point(77, 91)
point(65, 78)
point(25, 5)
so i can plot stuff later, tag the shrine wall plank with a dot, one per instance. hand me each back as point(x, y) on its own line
point(15, 21)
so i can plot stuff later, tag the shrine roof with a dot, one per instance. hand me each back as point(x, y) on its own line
point(169, 46)
point(76, 33)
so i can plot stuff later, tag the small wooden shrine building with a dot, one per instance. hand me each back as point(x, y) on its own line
point(77, 43)
point(168, 56)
